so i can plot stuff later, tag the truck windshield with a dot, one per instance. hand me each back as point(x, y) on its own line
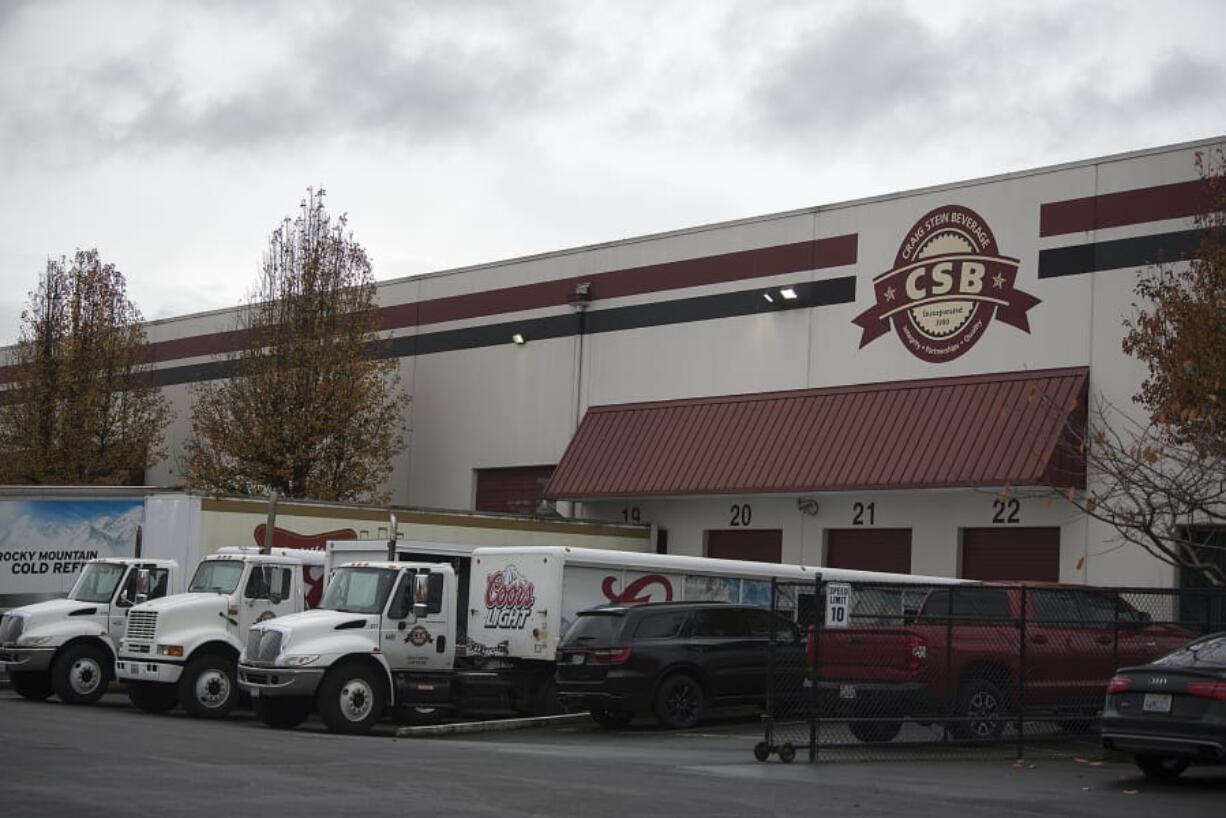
point(97, 582)
point(358, 590)
point(216, 577)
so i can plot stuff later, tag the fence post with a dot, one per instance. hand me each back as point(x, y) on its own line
point(951, 685)
point(769, 716)
point(1022, 678)
point(815, 720)
point(1209, 611)
point(1115, 634)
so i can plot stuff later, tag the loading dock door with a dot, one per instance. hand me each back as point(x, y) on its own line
point(511, 491)
point(1022, 554)
point(869, 549)
point(765, 545)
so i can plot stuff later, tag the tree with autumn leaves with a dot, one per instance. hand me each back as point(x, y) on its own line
point(79, 407)
point(313, 406)
point(1161, 481)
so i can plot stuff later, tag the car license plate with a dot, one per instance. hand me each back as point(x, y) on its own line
point(576, 658)
point(847, 691)
point(1157, 703)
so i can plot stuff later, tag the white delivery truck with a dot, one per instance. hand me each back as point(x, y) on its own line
point(67, 646)
point(403, 635)
point(183, 649)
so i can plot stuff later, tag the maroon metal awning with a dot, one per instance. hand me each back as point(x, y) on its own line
point(1016, 428)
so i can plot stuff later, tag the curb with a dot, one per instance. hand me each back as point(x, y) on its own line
point(492, 726)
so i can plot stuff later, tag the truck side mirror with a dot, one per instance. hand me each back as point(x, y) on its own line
point(421, 594)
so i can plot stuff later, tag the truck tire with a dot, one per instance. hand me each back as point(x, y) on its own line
point(208, 688)
point(282, 712)
point(34, 685)
point(611, 719)
point(875, 732)
point(679, 702)
point(980, 710)
point(81, 674)
point(153, 697)
point(545, 701)
point(352, 698)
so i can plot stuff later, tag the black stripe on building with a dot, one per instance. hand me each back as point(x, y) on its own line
point(1095, 257)
point(659, 313)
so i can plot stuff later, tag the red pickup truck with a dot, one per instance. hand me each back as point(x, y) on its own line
point(969, 659)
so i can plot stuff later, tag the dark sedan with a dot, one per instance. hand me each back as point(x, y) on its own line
point(1171, 713)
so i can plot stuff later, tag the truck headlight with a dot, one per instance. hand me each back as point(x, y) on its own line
point(301, 659)
point(33, 641)
point(170, 650)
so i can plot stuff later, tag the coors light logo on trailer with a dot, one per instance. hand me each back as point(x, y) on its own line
point(947, 284)
point(509, 597)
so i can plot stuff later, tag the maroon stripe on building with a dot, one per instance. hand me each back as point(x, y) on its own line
point(837, 251)
point(1148, 204)
point(1013, 428)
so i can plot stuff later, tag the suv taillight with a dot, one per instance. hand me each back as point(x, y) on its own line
point(611, 656)
point(917, 653)
point(1208, 690)
point(1119, 684)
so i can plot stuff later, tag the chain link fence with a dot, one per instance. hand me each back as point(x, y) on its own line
point(873, 669)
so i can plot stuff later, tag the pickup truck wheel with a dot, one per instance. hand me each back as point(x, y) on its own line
point(351, 699)
point(153, 697)
point(611, 719)
point(81, 674)
point(875, 731)
point(208, 688)
point(1161, 768)
point(679, 702)
point(282, 712)
point(32, 684)
point(980, 711)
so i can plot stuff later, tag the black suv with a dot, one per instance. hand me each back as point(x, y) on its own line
point(674, 659)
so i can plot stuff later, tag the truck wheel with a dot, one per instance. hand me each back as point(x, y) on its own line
point(1161, 768)
point(81, 674)
point(611, 719)
point(208, 688)
point(875, 731)
point(980, 711)
point(351, 699)
point(283, 713)
point(34, 685)
point(679, 702)
point(153, 697)
point(545, 701)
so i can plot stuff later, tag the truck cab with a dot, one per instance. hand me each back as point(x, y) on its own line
point(67, 646)
point(384, 636)
point(184, 649)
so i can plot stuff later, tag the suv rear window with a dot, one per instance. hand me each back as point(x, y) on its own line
point(663, 625)
point(595, 628)
point(988, 604)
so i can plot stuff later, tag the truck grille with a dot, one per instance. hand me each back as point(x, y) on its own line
point(263, 646)
point(10, 628)
point(142, 625)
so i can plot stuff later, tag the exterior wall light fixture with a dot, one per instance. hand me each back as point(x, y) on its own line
point(518, 339)
point(788, 294)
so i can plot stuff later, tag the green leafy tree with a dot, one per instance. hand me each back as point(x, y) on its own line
point(79, 407)
point(314, 408)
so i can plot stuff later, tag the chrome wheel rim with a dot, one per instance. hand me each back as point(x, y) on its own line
point(357, 700)
point(84, 676)
point(983, 710)
point(212, 688)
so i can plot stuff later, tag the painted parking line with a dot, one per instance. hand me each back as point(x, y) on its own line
point(491, 726)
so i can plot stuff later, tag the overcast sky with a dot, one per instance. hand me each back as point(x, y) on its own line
point(174, 136)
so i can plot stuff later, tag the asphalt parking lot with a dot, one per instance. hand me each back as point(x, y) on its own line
point(111, 760)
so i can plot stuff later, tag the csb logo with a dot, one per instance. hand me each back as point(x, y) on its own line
point(509, 598)
point(947, 284)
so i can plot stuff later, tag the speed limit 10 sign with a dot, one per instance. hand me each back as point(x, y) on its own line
point(838, 605)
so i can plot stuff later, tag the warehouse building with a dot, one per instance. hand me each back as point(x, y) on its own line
point(851, 384)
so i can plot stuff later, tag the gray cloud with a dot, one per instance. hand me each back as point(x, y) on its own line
point(377, 70)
